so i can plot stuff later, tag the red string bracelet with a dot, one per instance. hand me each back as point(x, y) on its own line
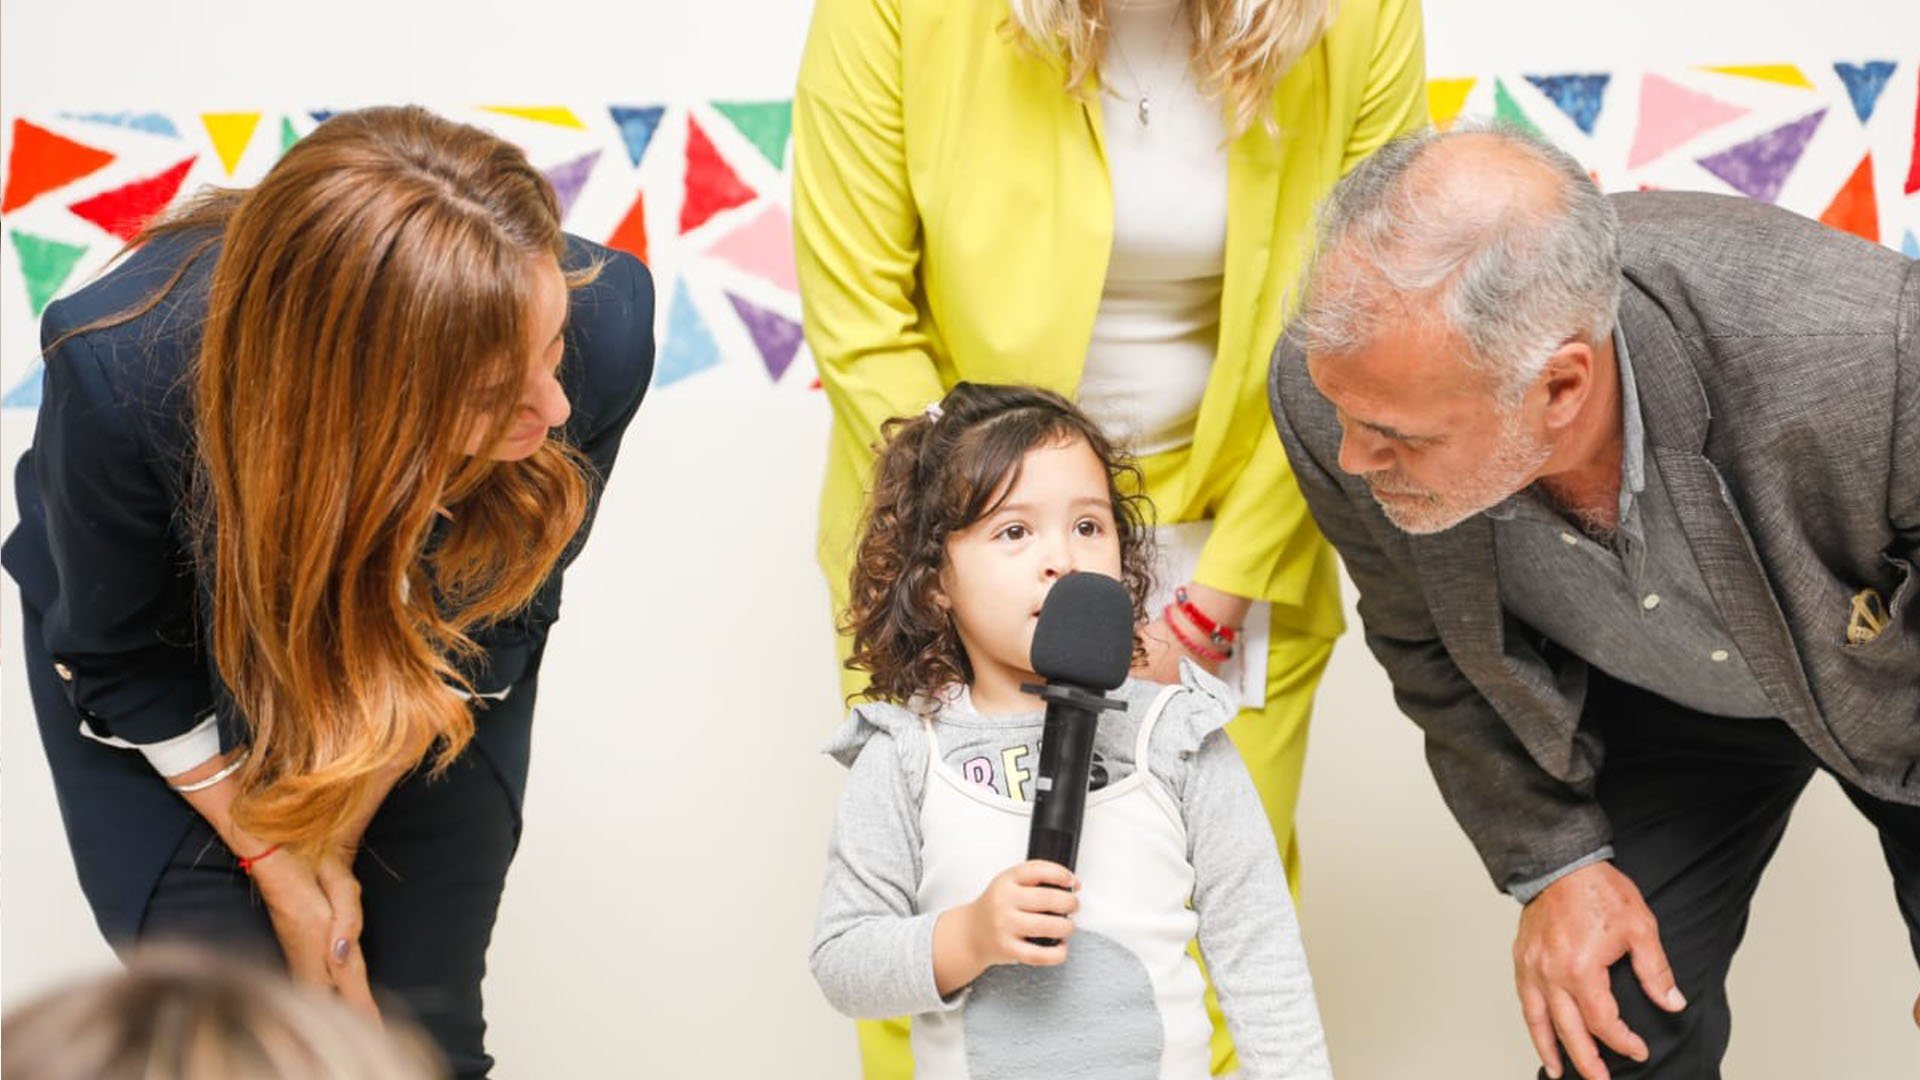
point(246, 863)
point(1223, 635)
point(1200, 651)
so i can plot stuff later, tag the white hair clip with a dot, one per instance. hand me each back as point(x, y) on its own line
point(935, 412)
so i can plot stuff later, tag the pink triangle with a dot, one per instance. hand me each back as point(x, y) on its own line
point(762, 247)
point(1670, 114)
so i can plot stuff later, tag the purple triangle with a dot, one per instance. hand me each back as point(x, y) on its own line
point(1758, 167)
point(567, 180)
point(777, 337)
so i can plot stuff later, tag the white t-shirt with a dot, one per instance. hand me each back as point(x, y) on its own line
point(1157, 328)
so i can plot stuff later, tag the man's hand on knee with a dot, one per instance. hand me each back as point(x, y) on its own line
point(1570, 935)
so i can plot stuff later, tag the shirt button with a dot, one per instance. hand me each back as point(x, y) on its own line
point(1569, 538)
point(1650, 601)
point(1718, 656)
point(65, 672)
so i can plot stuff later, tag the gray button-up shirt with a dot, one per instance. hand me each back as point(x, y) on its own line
point(1637, 610)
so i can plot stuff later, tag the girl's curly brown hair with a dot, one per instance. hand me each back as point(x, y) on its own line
point(938, 473)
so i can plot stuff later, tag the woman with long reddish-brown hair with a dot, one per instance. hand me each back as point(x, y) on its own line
point(310, 462)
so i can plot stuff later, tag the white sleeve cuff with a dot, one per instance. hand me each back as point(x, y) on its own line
point(171, 757)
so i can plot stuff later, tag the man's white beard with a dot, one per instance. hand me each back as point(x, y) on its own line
point(1423, 511)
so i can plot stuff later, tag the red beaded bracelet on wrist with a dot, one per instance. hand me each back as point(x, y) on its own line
point(1221, 635)
point(247, 862)
point(1196, 649)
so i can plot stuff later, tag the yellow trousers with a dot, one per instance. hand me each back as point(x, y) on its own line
point(1273, 742)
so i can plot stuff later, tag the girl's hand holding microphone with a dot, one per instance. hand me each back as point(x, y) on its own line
point(1035, 899)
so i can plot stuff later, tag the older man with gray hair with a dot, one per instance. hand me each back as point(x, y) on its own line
point(1630, 486)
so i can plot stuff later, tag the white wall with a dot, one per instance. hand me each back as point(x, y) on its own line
point(657, 918)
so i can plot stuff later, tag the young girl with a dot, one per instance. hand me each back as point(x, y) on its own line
point(978, 507)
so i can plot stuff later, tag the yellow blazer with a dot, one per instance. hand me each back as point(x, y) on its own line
point(953, 218)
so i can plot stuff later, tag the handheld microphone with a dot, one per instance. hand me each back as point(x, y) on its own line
point(1082, 646)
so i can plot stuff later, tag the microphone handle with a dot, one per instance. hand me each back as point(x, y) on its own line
point(1060, 795)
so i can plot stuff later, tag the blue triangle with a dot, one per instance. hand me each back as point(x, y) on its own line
point(26, 393)
point(1579, 96)
point(320, 115)
point(1864, 83)
point(690, 348)
point(152, 123)
point(1910, 247)
point(637, 127)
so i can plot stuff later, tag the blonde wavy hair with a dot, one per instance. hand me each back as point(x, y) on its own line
point(1241, 48)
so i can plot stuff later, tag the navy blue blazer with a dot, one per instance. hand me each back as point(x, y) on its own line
point(114, 608)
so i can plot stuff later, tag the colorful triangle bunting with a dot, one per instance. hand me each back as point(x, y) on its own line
point(766, 124)
point(320, 116)
point(288, 136)
point(152, 123)
point(1864, 83)
point(1445, 99)
point(1579, 96)
point(1759, 167)
point(124, 210)
point(689, 348)
point(569, 178)
point(637, 127)
point(1910, 245)
point(1784, 74)
point(45, 265)
point(712, 185)
point(763, 247)
point(1507, 111)
point(42, 161)
point(631, 234)
point(26, 393)
point(1670, 114)
point(559, 115)
point(1854, 208)
point(777, 337)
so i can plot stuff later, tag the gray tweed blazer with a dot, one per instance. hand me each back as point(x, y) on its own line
point(1778, 369)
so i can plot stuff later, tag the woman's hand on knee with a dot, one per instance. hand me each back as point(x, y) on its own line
point(315, 908)
point(346, 964)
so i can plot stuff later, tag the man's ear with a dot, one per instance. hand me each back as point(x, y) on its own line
point(1568, 377)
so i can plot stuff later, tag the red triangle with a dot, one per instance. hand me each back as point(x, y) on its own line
point(631, 234)
point(1854, 209)
point(124, 211)
point(1913, 170)
point(42, 161)
point(712, 185)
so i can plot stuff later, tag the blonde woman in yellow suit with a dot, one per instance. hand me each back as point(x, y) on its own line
point(974, 199)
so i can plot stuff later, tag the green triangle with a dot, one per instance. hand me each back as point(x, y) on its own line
point(766, 124)
point(288, 136)
point(45, 264)
point(1507, 111)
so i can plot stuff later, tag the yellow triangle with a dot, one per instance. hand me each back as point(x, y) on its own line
point(1784, 74)
point(230, 133)
point(1445, 99)
point(545, 114)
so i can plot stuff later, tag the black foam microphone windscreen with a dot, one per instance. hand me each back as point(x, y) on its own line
point(1085, 634)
